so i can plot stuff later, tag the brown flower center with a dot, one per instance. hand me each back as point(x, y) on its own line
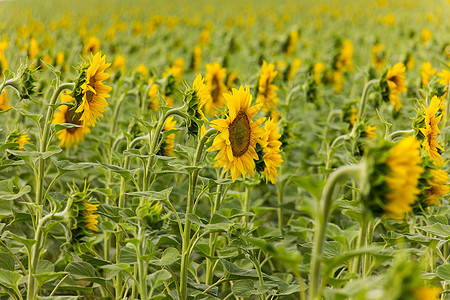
point(73, 118)
point(240, 133)
point(215, 93)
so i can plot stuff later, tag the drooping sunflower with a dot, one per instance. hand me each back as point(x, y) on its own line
point(4, 101)
point(431, 130)
point(426, 71)
point(271, 152)
point(18, 137)
point(267, 91)
point(338, 81)
point(214, 79)
point(94, 91)
point(344, 60)
point(403, 177)
point(89, 219)
point(66, 114)
point(238, 135)
point(393, 84)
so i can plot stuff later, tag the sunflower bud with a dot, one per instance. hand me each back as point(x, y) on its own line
point(26, 82)
point(150, 214)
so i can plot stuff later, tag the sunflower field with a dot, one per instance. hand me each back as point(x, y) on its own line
point(224, 149)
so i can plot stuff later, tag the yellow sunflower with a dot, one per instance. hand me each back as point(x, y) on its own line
point(3, 64)
point(33, 49)
point(89, 217)
point(296, 64)
point(197, 58)
point(378, 56)
point(143, 70)
point(92, 46)
point(425, 36)
point(231, 79)
point(396, 83)
point(338, 81)
point(353, 116)
point(345, 59)
point(214, 79)
point(267, 92)
point(66, 114)
point(272, 152)
point(176, 69)
point(426, 71)
point(437, 186)
point(168, 145)
point(292, 42)
point(94, 91)
point(431, 131)
point(403, 177)
point(59, 60)
point(4, 101)
point(444, 77)
point(238, 135)
point(119, 63)
point(153, 96)
point(370, 132)
point(318, 70)
point(427, 293)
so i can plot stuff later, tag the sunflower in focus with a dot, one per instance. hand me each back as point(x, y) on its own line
point(94, 91)
point(426, 71)
point(267, 91)
point(271, 152)
point(18, 137)
point(238, 135)
point(89, 219)
point(4, 101)
point(168, 145)
point(91, 46)
point(214, 79)
point(66, 114)
point(431, 130)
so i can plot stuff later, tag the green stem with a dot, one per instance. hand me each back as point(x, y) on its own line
point(246, 204)
point(323, 213)
point(400, 133)
point(362, 104)
point(280, 203)
point(360, 242)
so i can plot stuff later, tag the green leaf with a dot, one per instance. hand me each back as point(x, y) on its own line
point(7, 190)
point(58, 127)
point(9, 278)
point(169, 256)
point(6, 146)
point(440, 230)
point(46, 277)
point(7, 262)
point(153, 195)
point(443, 272)
point(126, 174)
point(119, 267)
point(158, 277)
point(35, 117)
point(7, 163)
point(66, 166)
point(80, 270)
point(311, 185)
point(244, 288)
point(28, 243)
point(5, 111)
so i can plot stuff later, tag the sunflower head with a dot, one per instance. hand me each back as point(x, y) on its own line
point(267, 91)
point(150, 214)
point(143, 71)
point(195, 99)
point(168, 144)
point(392, 84)
point(378, 56)
point(4, 101)
point(214, 80)
point(426, 71)
point(444, 76)
point(238, 135)
point(350, 113)
point(318, 71)
point(90, 92)
point(196, 59)
point(394, 172)
point(18, 137)
point(92, 46)
point(27, 82)
point(269, 156)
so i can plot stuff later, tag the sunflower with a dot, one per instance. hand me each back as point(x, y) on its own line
point(291, 42)
point(395, 79)
point(296, 64)
point(196, 58)
point(92, 46)
point(427, 293)
point(94, 91)
point(89, 219)
point(3, 64)
point(403, 177)
point(4, 101)
point(318, 70)
point(267, 92)
point(425, 36)
point(119, 63)
point(345, 59)
point(168, 145)
point(338, 81)
point(33, 49)
point(431, 131)
point(18, 137)
point(143, 70)
point(59, 60)
point(67, 114)
point(370, 132)
point(437, 186)
point(176, 69)
point(231, 79)
point(353, 116)
point(378, 56)
point(238, 135)
point(444, 77)
point(214, 79)
point(272, 153)
point(426, 71)
point(153, 96)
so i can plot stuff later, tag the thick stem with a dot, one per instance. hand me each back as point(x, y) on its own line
point(280, 203)
point(362, 104)
point(246, 204)
point(323, 213)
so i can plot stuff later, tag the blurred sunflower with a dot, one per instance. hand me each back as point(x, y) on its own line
point(153, 96)
point(18, 137)
point(66, 114)
point(118, 63)
point(344, 60)
point(393, 84)
point(318, 70)
point(431, 130)
point(425, 36)
point(291, 43)
point(427, 293)
point(196, 58)
point(214, 79)
point(33, 49)
point(168, 145)
point(293, 68)
point(370, 132)
point(143, 70)
point(94, 91)
point(267, 91)
point(426, 71)
point(437, 186)
point(238, 135)
point(378, 56)
point(4, 101)
point(176, 69)
point(444, 77)
point(91, 46)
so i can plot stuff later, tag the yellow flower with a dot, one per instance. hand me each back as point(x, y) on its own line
point(92, 46)
point(47, 59)
point(176, 69)
point(137, 28)
point(66, 114)
point(431, 131)
point(403, 177)
point(168, 145)
point(378, 56)
point(292, 42)
point(410, 62)
point(445, 77)
point(238, 135)
point(94, 91)
point(427, 293)
point(272, 153)
point(437, 186)
point(396, 83)
point(33, 49)
point(338, 81)
point(231, 79)
point(4, 101)
point(59, 58)
point(345, 59)
point(153, 96)
point(214, 79)
point(425, 36)
point(267, 92)
point(318, 70)
point(204, 37)
point(143, 70)
point(197, 58)
point(353, 116)
point(296, 64)
point(370, 132)
point(119, 63)
point(202, 92)
point(426, 71)
point(89, 217)
point(3, 64)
